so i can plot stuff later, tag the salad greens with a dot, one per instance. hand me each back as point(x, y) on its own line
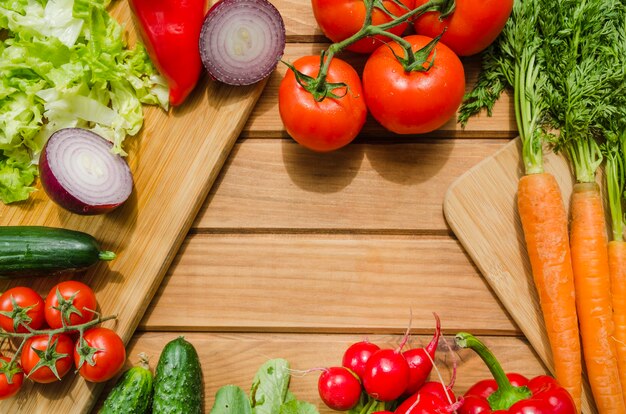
point(65, 63)
point(269, 394)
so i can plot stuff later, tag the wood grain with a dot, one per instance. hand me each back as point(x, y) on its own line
point(387, 188)
point(481, 209)
point(234, 358)
point(174, 160)
point(329, 283)
point(265, 119)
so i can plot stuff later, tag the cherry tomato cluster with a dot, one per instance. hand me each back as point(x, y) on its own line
point(56, 333)
point(384, 376)
point(410, 85)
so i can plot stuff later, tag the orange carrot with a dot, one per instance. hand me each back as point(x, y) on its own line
point(544, 221)
point(590, 263)
point(617, 267)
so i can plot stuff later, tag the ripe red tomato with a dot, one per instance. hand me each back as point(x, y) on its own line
point(473, 26)
point(38, 365)
point(76, 299)
point(102, 355)
point(413, 102)
point(340, 19)
point(8, 390)
point(331, 123)
point(13, 309)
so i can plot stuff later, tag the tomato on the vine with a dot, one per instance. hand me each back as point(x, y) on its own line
point(45, 360)
point(330, 123)
point(413, 102)
point(11, 378)
point(100, 356)
point(473, 25)
point(21, 306)
point(340, 19)
point(71, 300)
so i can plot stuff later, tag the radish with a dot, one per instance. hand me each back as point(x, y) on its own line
point(356, 356)
point(387, 373)
point(420, 364)
point(339, 388)
point(79, 172)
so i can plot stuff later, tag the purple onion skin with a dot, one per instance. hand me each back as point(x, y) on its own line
point(242, 79)
point(62, 197)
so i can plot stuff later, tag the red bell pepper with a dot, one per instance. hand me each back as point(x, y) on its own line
point(511, 393)
point(171, 31)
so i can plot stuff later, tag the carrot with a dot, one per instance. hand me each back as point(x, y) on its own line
point(590, 263)
point(544, 221)
point(615, 178)
point(617, 267)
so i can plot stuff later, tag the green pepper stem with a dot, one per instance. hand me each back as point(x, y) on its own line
point(506, 395)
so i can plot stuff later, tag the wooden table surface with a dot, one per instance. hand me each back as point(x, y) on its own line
point(297, 255)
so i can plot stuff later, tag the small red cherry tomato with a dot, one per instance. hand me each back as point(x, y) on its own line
point(47, 361)
point(413, 102)
point(340, 19)
point(72, 300)
point(7, 390)
point(331, 123)
point(473, 25)
point(101, 356)
point(21, 305)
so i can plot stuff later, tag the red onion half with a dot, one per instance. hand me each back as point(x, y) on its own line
point(80, 173)
point(242, 41)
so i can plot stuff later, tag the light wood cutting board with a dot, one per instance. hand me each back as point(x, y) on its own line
point(175, 160)
point(481, 209)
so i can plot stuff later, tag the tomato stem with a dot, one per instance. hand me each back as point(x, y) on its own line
point(319, 87)
point(64, 329)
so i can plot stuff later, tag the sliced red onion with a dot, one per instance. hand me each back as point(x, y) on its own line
point(80, 173)
point(242, 41)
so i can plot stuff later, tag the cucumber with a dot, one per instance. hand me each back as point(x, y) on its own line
point(39, 250)
point(178, 380)
point(132, 394)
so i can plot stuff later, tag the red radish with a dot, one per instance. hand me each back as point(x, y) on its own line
point(79, 172)
point(421, 364)
point(386, 374)
point(242, 41)
point(356, 356)
point(339, 388)
point(429, 399)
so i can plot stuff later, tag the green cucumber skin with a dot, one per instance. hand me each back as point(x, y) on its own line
point(38, 250)
point(132, 394)
point(178, 380)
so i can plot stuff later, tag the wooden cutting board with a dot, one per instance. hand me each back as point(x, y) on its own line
point(175, 160)
point(481, 209)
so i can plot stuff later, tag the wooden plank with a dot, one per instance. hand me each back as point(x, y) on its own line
point(322, 283)
point(392, 187)
point(234, 358)
point(174, 160)
point(481, 209)
point(265, 119)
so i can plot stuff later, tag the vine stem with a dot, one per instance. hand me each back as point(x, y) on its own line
point(371, 30)
point(64, 329)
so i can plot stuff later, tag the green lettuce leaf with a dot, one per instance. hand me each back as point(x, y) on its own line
point(270, 387)
point(298, 407)
point(65, 63)
point(231, 399)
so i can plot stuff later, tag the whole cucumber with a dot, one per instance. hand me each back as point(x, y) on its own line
point(178, 380)
point(40, 250)
point(132, 394)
